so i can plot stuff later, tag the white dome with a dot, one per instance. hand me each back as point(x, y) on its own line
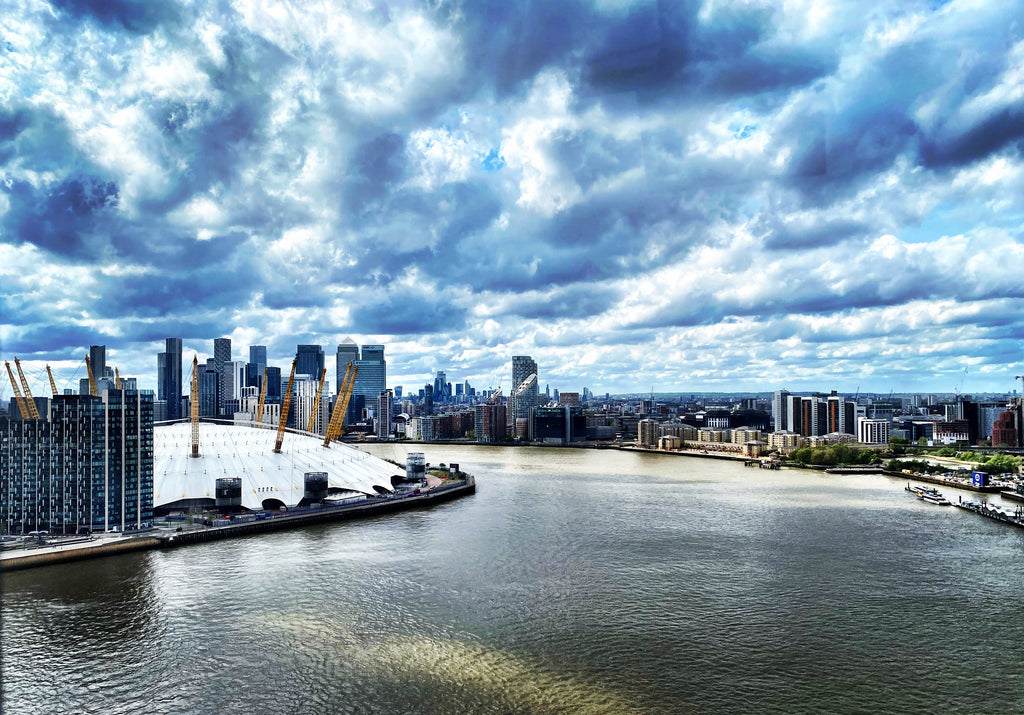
point(247, 452)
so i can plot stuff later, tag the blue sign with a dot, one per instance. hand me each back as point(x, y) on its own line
point(979, 479)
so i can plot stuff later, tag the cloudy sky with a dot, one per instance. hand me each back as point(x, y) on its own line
point(686, 195)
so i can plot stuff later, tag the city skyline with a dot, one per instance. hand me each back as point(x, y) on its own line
point(639, 196)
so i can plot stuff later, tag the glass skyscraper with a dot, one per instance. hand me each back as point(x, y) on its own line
point(169, 363)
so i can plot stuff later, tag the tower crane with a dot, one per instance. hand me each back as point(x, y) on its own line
point(92, 379)
point(284, 409)
point(337, 422)
point(53, 385)
point(22, 407)
point(194, 407)
point(29, 400)
point(263, 397)
point(316, 402)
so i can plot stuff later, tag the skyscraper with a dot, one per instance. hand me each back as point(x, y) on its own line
point(523, 366)
point(221, 357)
point(309, 360)
point(370, 382)
point(170, 361)
point(256, 365)
point(348, 352)
point(385, 414)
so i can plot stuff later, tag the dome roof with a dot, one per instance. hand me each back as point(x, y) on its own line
point(228, 450)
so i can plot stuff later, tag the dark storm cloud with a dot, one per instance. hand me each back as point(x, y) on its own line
point(65, 219)
point(401, 313)
point(52, 341)
point(954, 146)
point(135, 16)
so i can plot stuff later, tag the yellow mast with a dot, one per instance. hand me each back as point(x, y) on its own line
point(263, 397)
point(29, 400)
point(92, 380)
point(195, 406)
point(316, 402)
point(53, 385)
point(284, 410)
point(22, 407)
point(117, 379)
point(341, 406)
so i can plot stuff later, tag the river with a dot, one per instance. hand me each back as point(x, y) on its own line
point(573, 581)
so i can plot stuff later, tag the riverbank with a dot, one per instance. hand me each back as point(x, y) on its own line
point(109, 545)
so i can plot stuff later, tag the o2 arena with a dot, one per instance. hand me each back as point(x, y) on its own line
point(269, 480)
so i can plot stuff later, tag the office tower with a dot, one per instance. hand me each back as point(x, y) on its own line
point(170, 362)
point(441, 387)
point(385, 414)
point(370, 382)
point(234, 383)
point(398, 392)
point(309, 360)
point(348, 352)
point(428, 399)
point(208, 392)
point(98, 359)
point(221, 357)
point(523, 366)
point(256, 365)
point(273, 384)
point(88, 467)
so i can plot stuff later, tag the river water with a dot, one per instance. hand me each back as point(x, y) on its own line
point(573, 581)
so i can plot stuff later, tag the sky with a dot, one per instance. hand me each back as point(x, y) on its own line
point(691, 196)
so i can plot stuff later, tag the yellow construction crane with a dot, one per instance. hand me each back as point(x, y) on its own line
point(53, 385)
point(29, 400)
point(263, 397)
point(22, 407)
point(316, 402)
point(195, 406)
point(92, 379)
point(341, 406)
point(117, 379)
point(284, 410)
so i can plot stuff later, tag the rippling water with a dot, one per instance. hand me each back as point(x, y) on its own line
point(573, 581)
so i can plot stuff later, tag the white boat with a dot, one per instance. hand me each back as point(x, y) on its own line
point(933, 497)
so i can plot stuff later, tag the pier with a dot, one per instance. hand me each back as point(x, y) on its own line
point(106, 545)
point(1015, 518)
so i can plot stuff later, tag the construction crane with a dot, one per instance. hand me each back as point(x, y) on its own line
point(29, 400)
point(316, 402)
point(337, 422)
point(117, 379)
point(959, 386)
point(195, 406)
point(263, 397)
point(22, 407)
point(53, 385)
point(284, 410)
point(92, 379)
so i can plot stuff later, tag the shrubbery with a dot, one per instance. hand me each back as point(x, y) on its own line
point(834, 454)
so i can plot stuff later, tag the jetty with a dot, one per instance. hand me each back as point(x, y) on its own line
point(46, 551)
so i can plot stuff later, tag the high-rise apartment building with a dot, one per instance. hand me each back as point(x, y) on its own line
point(385, 414)
point(169, 363)
point(86, 466)
point(780, 410)
point(221, 359)
point(523, 366)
